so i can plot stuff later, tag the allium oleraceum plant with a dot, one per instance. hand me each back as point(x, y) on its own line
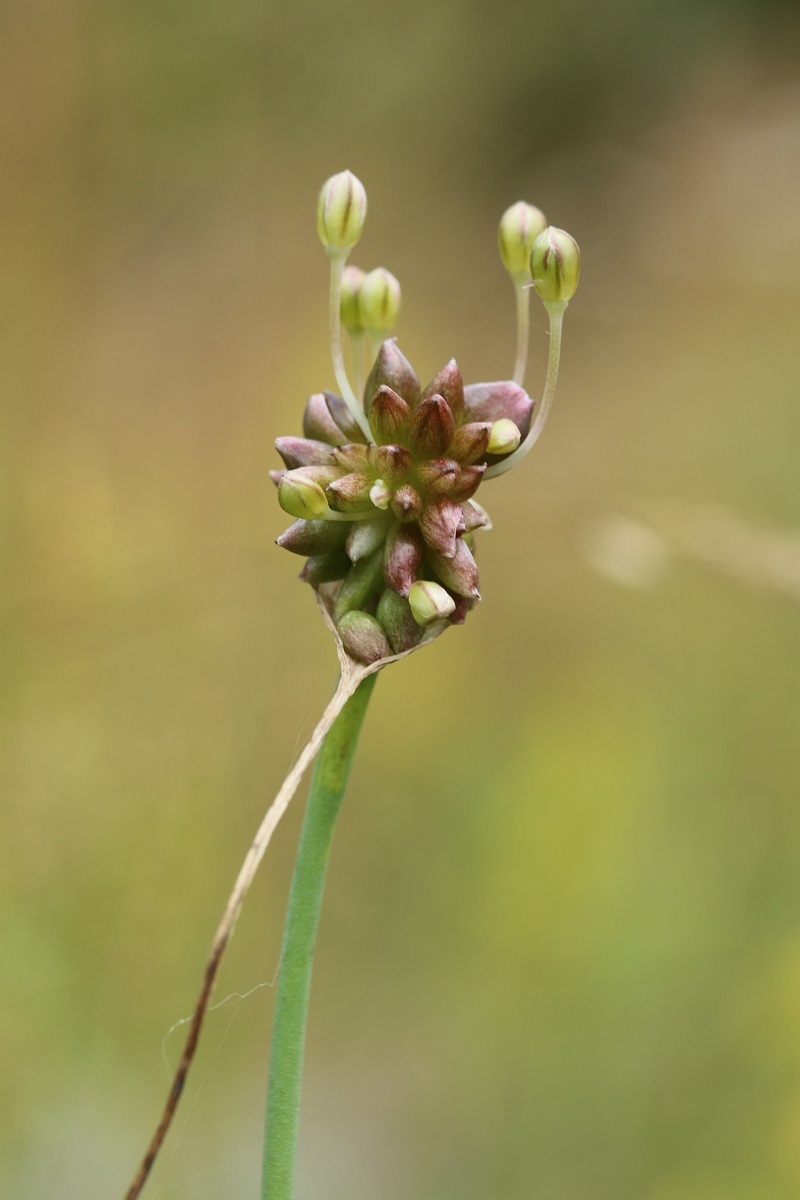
point(382, 485)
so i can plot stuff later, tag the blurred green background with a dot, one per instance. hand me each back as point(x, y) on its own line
point(560, 954)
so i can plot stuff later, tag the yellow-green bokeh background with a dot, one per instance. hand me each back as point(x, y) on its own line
point(560, 953)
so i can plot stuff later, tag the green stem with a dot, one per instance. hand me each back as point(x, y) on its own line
point(297, 956)
point(338, 260)
point(555, 311)
point(522, 294)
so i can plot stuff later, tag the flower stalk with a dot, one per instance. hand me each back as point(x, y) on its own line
point(297, 955)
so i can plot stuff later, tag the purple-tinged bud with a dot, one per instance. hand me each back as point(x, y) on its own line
point(468, 482)
point(363, 637)
point(318, 422)
point(520, 225)
point(439, 476)
point(470, 442)
point(492, 401)
point(505, 437)
point(429, 602)
point(441, 523)
point(349, 305)
point(313, 537)
point(397, 619)
point(379, 301)
point(389, 416)
point(403, 558)
point(432, 428)
point(448, 383)
point(302, 452)
point(341, 211)
point(475, 516)
point(276, 477)
point(351, 457)
point(391, 463)
point(301, 497)
point(344, 418)
point(393, 368)
point(361, 584)
point(462, 607)
point(365, 536)
point(325, 568)
point(380, 494)
point(407, 504)
point(459, 573)
point(350, 493)
point(555, 266)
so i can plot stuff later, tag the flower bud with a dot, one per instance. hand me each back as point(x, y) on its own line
point(393, 368)
point(448, 384)
point(365, 536)
point(394, 614)
point(349, 305)
point(361, 584)
point(349, 493)
point(379, 301)
point(341, 211)
point(407, 504)
point(432, 428)
point(403, 558)
point(301, 497)
point(504, 437)
point(303, 452)
point(430, 602)
point(325, 568)
point(363, 637)
point(380, 494)
point(470, 442)
point(555, 266)
point(441, 523)
point(520, 225)
point(389, 416)
point(460, 572)
point(313, 537)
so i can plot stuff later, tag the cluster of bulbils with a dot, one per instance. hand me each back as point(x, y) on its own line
point(382, 483)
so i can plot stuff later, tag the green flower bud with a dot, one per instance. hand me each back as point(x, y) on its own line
point(379, 301)
point(361, 585)
point(380, 494)
point(350, 308)
point(555, 266)
point(301, 497)
point(341, 211)
point(397, 620)
point(430, 602)
point(504, 437)
point(520, 225)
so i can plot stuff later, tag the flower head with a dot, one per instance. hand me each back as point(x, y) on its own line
point(383, 484)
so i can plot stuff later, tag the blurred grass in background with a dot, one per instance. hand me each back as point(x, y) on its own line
point(560, 955)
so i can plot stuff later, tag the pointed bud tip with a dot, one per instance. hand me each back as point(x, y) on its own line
point(341, 211)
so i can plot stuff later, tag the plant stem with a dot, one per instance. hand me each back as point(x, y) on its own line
point(555, 311)
point(338, 260)
point(297, 955)
point(522, 295)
